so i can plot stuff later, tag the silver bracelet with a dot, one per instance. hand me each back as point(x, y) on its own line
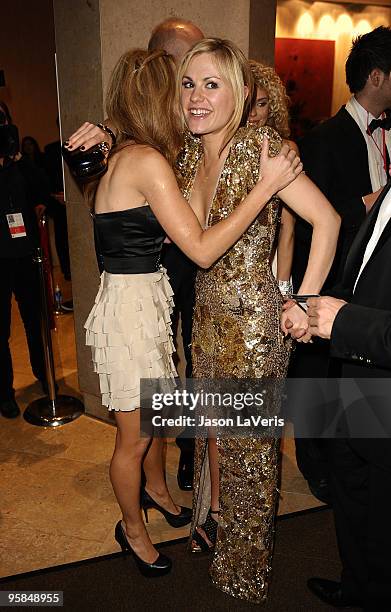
point(285, 287)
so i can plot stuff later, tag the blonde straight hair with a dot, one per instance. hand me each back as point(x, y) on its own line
point(234, 69)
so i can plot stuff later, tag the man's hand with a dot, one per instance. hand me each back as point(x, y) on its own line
point(322, 312)
point(88, 135)
point(294, 321)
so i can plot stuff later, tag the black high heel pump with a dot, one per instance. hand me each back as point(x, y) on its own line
point(161, 566)
point(175, 520)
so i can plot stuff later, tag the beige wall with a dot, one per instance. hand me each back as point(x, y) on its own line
point(27, 58)
point(78, 48)
point(262, 31)
point(249, 23)
point(131, 22)
point(90, 36)
point(330, 21)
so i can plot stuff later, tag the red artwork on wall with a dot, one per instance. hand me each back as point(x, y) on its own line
point(306, 67)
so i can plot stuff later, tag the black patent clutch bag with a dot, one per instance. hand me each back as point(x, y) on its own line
point(85, 165)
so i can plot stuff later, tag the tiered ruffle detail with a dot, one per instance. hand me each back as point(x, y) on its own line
point(129, 331)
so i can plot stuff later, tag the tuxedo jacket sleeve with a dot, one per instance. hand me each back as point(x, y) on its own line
point(362, 334)
point(335, 158)
point(362, 329)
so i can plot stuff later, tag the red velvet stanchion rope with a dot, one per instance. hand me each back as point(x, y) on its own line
point(47, 268)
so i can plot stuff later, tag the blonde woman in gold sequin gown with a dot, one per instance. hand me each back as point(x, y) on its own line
point(238, 307)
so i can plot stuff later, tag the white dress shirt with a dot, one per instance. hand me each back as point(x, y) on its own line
point(374, 143)
point(384, 215)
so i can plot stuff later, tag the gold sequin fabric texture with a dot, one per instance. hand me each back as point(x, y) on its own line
point(236, 335)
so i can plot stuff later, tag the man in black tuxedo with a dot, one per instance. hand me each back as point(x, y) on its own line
point(359, 329)
point(347, 158)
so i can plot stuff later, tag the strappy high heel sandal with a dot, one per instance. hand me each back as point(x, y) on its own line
point(210, 529)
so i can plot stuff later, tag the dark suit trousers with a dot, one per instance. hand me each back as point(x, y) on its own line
point(361, 491)
point(58, 213)
point(182, 274)
point(309, 361)
point(19, 276)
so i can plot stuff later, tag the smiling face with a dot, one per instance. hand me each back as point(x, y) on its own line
point(260, 111)
point(207, 98)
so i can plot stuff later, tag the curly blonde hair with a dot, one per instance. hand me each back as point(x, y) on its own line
point(266, 78)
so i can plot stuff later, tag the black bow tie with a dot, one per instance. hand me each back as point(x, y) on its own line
point(379, 123)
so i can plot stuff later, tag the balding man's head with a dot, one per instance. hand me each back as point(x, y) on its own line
point(176, 36)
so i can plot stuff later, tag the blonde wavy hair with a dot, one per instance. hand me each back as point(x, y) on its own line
point(141, 105)
point(234, 69)
point(141, 102)
point(266, 78)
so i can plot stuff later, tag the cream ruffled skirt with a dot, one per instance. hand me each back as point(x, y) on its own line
point(129, 331)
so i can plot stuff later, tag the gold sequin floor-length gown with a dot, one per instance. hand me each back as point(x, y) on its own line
point(236, 335)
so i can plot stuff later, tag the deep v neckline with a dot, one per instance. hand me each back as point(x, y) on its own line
point(212, 200)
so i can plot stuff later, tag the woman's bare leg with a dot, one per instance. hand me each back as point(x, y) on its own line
point(154, 472)
point(214, 487)
point(125, 476)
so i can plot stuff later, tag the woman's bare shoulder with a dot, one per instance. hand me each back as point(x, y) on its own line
point(135, 153)
point(132, 169)
point(137, 161)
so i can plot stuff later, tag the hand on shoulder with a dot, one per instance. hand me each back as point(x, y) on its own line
point(275, 140)
point(278, 170)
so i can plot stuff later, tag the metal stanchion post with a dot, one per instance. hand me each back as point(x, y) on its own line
point(52, 410)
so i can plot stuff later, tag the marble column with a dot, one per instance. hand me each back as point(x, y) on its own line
point(90, 36)
point(262, 27)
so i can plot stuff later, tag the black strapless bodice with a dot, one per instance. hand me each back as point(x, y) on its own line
point(129, 241)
